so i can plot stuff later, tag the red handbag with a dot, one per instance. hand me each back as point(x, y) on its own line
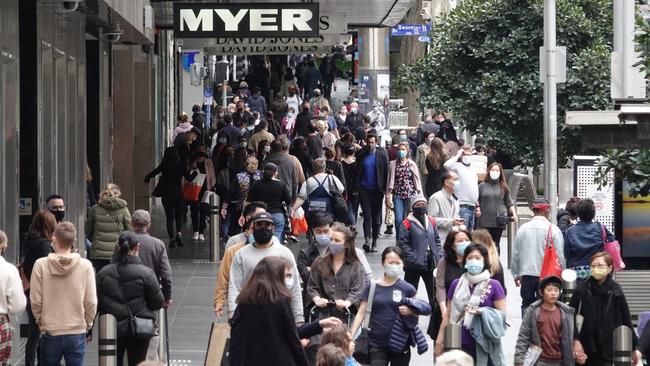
point(191, 190)
point(551, 265)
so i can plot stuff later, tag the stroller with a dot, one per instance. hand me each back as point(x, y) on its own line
point(316, 313)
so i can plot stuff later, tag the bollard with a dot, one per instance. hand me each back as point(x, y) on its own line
point(163, 340)
point(107, 340)
point(215, 219)
point(452, 337)
point(569, 282)
point(622, 346)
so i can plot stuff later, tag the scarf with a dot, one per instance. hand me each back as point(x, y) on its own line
point(602, 296)
point(463, 296)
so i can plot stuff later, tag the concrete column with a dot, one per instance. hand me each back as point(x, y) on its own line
point(144, 130)
point(374, 65)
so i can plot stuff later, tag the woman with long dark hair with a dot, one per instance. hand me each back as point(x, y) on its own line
point(434, 162)
point(37, 245)
point(263, 327)
point(275, 194)
point(129, 288)
point(496, 206)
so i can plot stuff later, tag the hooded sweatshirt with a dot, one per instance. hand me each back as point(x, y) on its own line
point(106, 221)
point(62, 294)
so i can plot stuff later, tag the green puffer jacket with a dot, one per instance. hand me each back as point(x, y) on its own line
point(106, 221)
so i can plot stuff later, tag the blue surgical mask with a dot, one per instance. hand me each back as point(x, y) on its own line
point(403, 137)
point(460, 247)
point(474, 266)
point(457, 187)
point(322, 240)
point(393, 270)
point(336, 248)
point(401, 154)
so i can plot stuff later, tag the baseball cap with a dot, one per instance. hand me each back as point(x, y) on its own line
point(262, 217)
point(555, 280)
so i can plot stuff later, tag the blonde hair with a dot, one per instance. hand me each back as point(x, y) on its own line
point(111, 190)
point(3, 240)
point(484, 238)
point(65, 233)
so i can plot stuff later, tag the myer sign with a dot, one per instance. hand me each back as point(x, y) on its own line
point(197, 20)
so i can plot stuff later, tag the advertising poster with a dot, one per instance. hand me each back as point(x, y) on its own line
point(636, 225)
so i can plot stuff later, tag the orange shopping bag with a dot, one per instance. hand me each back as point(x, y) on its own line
point(551, 265)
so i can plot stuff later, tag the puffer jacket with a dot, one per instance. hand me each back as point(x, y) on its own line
point(564, 220)
point(416, 240)
point(106, 221)
point(140, 290)
point(405, 330)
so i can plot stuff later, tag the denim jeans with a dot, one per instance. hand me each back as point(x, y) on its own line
point(467, 213)
point(70, 347)
point(353, 209)
point(278, 220)
point(528, 291)
point(401, 210)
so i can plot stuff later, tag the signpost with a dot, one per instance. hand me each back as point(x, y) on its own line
point(401, 30)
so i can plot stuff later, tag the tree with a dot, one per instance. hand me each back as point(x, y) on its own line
point(484, 68)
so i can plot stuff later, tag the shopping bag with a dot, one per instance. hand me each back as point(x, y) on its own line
point(613, 248)
point(218, 346)
point(298, 225)
point(551, 265)
point(191, 190)
point(390, 217)
point(206, 197)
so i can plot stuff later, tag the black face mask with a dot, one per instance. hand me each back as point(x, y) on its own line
point(58, 215)
point(262, 236)
point(419, 211)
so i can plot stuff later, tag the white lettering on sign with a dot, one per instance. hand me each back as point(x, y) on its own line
point(259, 16)
point(296, 19)
point(204, 20)
point(231, 22)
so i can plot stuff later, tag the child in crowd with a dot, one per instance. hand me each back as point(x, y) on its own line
point(341, 338)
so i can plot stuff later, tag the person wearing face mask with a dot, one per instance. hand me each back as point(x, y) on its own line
point(472, 299)
point(242, 115)
point(496, 205)
point(318, 102)
point(528, 251)
point(601, 307)
point(404, 137)
point(289, 122)
point(377, 118)
point(403, 184)
point(371, 182)
point(584, 239)
point(468, 194)
point(419, 240)
point(303, 121)
point(293, 100)
point(275, 194)
point(443, 205)
point(265, 245)
point(354, 119)
point(449, 268)
point(391, 293)
point(421, 156)
point(56, 206)
point(239, 190)
point(228, 134)
point(263, 134)
point(198, 209)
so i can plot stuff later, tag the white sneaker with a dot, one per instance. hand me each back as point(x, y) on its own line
point(201, 237)
point(195, 236)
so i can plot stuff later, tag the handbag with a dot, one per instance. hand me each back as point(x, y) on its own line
point(218, 346)
point(191, 190)
point(362, 343)
point(139, 328)
point(338, 202)
point(551, 265)
point(613, 248)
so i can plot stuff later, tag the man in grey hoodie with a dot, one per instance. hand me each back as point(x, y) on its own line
point(246, 259)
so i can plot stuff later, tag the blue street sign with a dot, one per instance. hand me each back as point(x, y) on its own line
point(410, 30)
point(425, 39)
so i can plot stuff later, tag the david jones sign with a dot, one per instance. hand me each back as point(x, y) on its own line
point(200, 20)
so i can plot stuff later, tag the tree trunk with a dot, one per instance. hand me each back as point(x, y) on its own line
point(410, 50)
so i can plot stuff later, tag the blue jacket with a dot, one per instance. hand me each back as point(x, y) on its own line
point(415, 241)
point(257, 103)
point(405, 330)
point(487, 330)
point(582, 241)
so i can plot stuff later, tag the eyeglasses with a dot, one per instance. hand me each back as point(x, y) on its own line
point(594, 266)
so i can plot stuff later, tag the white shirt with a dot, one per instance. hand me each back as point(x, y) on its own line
point(468, 181)
point(12, 297)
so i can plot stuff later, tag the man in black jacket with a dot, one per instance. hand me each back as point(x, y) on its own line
point(354, 119)
point(303, 121)
point(371, 183)
point(241, 115)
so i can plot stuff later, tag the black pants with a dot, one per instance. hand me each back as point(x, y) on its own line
point(199, 212)
point(371, 204)
point(385, 357)
point(31, 348)
point(327, 89)
point(174, 208)
point(413, 277)
point(528, 291)
point(100, 263)
point(495, 233)
point(136, 350)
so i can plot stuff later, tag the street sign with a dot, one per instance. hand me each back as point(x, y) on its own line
point(425, 39)
point(200, 20)
point(560, 64)
point(24, 207)
point(410, 30)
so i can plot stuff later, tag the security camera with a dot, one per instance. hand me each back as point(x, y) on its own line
point(114, 36)
point(71, 5)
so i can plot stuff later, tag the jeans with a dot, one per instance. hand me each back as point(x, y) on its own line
point(401, 210)
point(385, 357)
point(135, 349)
point(353, 209)
point(279, 221)
point(371, 204)
point(528, 291)
point(467, 213)
point(70, 347)
point(198, 210)
point(31, 348)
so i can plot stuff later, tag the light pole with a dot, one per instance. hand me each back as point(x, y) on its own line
point(550, 107)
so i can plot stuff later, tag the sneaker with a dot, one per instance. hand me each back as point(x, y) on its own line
point(179, 241)
point(201, 237)
point(195, 236)
point(172, 243)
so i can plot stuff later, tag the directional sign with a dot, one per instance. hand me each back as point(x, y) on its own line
point(425, 39)
point(410, 30)
point(24, 207)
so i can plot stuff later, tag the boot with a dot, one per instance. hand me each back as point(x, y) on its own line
point(374, 246)
point(179, 241)
point(389, 230)
point(366, 246)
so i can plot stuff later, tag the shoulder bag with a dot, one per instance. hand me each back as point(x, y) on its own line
point(362, 343)
point(139, 328)
point(613, 248)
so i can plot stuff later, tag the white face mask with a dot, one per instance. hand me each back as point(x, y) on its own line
point(495, 174)
point(267, 149)
point(466, 160)
point(288, 282)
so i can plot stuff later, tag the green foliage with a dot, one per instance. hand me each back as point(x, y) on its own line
point(632, 165)
point(484, 67)
point(642, 39)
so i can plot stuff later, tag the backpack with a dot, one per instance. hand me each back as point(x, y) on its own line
point(407, 222)
point(319, 200)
